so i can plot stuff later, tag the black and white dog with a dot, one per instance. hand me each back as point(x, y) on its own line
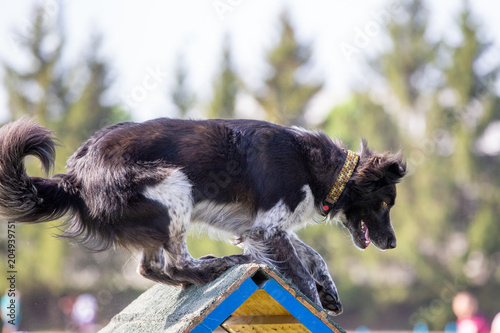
point(141, 185)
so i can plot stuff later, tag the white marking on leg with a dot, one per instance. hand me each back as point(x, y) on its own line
point(174, 192)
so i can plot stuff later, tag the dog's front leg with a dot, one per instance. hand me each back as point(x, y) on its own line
point(316, 265)
point(273, 247)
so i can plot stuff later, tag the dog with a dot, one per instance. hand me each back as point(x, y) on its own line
point(141, 185)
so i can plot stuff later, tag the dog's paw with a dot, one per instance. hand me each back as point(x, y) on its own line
point(185, 285)
point(329, 300)
point(331, 305)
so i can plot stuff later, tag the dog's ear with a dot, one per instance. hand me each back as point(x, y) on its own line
point(395, 167)
point(364, 151)
point(378, 170)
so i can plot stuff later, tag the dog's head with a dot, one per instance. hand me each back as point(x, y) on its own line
point(370, 196)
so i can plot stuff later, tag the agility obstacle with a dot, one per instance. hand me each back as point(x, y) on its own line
point(246, 298)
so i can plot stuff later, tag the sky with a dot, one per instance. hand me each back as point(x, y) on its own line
point(144, 39)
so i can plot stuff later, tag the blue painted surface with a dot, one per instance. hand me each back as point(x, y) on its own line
point(297, 309)
point(227, 307)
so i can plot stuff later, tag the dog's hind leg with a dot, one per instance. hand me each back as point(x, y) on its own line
point(181, 266)
point(273, 246)
point(175, 194)
point(317, 267)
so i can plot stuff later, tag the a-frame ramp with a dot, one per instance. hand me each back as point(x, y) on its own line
point(246, 298)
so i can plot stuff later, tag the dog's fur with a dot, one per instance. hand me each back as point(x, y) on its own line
point(140, 185)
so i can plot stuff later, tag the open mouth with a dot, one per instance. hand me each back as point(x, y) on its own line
point(365, 238)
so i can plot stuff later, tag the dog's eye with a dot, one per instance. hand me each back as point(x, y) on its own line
point(384, 205)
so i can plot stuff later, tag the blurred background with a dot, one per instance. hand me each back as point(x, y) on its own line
point(407, 74)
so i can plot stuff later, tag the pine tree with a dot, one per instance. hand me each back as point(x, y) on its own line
point(410, 101)
point(225, 88)
point(286, 95)
point(445, 215)
point(88, 112)
point(75, 111)
point(181, 95)
point(405, 65)
point(33, 93)
point(475, 108)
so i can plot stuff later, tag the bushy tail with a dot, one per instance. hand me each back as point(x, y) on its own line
point(24, 198)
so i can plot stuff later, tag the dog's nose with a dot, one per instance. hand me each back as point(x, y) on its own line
point(391, 243)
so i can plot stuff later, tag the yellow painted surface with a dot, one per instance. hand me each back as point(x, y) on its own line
point(260, 304)
point(261, 313)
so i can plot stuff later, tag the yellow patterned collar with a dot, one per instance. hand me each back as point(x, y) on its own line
point(338, 187)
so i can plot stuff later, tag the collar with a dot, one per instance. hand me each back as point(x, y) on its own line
point(351, 161)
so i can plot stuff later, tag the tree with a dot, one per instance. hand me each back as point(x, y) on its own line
point(286, 95)
point(446, 207)
point(30, 92)
point(405, 66)
point(225, 88)
point(181, 95)
point(88, 112)
point(70, 101)
point(475, 109)
point(33, 93)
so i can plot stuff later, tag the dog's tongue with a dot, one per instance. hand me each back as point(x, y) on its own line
point(367, 235)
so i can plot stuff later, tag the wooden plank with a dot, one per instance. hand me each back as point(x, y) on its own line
point(272, 328)
point(261, 320)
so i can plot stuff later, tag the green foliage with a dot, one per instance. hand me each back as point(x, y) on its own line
point(287, 94)
point(446, 214)
point(225, 88)
point(88, 112)
point(484, 232)
point(403, 66)
point(180, 94)
point(30, 91)
point(76, 111)
point(200, 245)
point(360, 116)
